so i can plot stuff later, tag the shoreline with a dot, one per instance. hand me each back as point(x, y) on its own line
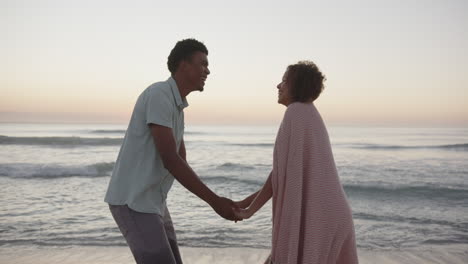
point(455, 254)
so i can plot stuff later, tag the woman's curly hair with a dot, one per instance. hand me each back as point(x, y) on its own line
point(305, 81)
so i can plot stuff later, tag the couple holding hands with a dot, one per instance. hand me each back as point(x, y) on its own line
point(312, 221)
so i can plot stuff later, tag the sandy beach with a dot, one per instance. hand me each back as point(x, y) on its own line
point(457, 254)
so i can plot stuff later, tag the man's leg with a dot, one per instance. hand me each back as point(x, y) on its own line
point(171, 236)
point(145, 235)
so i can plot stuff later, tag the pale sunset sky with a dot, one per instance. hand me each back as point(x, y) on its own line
point(386, 62)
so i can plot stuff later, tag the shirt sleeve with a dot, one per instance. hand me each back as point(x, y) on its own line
point(159, 108)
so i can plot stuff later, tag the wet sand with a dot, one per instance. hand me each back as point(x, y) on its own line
point(457, 254)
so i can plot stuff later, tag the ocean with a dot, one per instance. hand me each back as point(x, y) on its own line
point(408, 187)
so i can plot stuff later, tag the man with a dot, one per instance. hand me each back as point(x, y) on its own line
point(153, 154)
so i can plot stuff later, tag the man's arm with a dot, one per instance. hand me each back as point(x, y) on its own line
point(178, 167)
point(182, 152)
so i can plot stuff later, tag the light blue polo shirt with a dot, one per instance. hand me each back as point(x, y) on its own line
point(139, 179)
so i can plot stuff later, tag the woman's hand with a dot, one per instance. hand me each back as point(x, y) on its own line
point(243, 204)
point(242, 213)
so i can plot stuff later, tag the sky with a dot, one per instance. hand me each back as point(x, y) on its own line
point(395, 63)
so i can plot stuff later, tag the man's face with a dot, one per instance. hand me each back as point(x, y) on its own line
point(197, 70)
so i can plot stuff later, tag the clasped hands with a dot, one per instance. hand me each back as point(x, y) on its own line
point(230, 210)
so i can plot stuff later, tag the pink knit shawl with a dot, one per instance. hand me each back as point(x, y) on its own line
point(312, 222)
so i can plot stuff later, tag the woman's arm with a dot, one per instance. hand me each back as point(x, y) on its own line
point(247, 201)
point(260, 199)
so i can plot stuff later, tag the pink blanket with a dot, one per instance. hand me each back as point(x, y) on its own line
point(312, 222)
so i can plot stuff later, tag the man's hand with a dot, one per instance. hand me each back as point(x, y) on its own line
point(225, 208)
point(242, 213)
point(242, 204)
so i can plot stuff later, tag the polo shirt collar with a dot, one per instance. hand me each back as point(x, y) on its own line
point(181, 103)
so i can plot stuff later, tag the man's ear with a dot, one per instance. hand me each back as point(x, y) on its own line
point(183, 65)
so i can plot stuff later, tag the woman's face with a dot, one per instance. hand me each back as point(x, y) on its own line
point(284, 97)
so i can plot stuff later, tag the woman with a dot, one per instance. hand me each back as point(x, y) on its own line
point(312, 221)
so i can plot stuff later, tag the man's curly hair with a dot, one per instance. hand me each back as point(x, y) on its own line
point(305, 81)
point(184, 50)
